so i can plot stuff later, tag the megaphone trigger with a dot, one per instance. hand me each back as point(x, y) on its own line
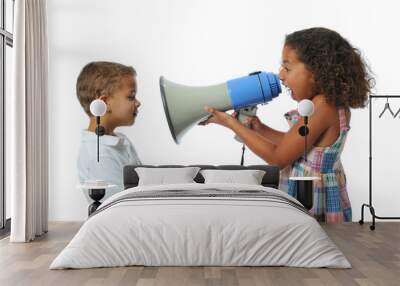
point(205, 121)
point(245, 113)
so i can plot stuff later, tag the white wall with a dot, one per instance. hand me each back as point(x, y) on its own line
point(201, 42)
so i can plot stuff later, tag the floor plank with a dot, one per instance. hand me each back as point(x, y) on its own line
point(374, 255)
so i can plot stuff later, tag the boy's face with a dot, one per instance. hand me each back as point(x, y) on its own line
point(123, 103)
point(295, 75)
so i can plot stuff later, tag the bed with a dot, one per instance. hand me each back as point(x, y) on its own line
point(201, 224)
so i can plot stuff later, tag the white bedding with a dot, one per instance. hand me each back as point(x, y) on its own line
point(225, 231)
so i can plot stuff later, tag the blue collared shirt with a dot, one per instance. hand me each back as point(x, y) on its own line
point(115, 153)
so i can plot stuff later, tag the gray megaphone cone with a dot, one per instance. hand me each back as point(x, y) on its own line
point(184, 105)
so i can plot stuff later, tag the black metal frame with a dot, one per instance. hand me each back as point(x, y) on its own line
point(369, 205)
point(6, 39)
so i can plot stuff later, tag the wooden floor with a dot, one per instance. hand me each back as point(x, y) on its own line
point(374, 255)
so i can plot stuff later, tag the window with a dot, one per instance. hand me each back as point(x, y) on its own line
point(6, 44)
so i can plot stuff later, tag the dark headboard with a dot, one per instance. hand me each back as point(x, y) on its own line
point(270, 179)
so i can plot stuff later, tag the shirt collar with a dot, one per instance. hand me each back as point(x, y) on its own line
point(109, 140)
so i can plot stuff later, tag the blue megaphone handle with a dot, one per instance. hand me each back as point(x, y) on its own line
point(256, 88)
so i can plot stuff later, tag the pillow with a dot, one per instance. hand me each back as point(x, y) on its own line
point(163, 176)
point(248, 177)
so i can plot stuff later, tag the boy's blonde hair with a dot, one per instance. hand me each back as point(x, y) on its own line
point(100, 78)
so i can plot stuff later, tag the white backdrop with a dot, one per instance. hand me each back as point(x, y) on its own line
point(202, 42)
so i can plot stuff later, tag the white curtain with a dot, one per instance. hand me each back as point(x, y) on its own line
point(28, 116)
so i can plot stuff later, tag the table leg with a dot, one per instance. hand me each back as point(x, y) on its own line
point(96, 195)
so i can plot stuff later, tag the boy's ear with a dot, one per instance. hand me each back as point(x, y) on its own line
point(104, 98)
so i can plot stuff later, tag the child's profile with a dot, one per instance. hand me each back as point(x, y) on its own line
point(116, 85)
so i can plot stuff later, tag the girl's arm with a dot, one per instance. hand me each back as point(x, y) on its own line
point(291, 146)
point(272, 135)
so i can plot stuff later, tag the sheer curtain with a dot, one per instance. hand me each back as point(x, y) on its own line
point(28, 116)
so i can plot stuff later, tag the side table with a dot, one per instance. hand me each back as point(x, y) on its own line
point(96, 193)
point(305, 190)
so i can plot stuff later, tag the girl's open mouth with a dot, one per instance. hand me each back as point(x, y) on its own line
point(289, 91)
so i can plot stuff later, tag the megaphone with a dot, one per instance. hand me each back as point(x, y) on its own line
point(184, 105)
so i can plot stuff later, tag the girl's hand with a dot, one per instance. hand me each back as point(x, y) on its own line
point(254, 123)
point(218, 117)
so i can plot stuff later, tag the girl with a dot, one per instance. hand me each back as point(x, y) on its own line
point(320, 65)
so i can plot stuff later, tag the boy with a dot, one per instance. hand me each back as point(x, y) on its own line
point(116, 85)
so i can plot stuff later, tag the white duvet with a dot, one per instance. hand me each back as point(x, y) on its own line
point(200, 231)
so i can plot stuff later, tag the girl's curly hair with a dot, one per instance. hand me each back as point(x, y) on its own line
point(339, 71)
